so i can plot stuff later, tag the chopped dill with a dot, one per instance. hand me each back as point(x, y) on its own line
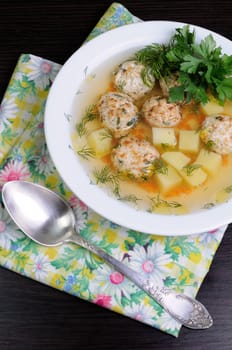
point(90, 115)
point(165, 146)
point(190, 168)
point(130, 198)
point(160, 167)
point(154, 59)
point(147, 77)
point(157, 202)
point(121, 85)
point(210, 145)
point(86, 152)
point(228, 189)
point(208, 206)
point(105, 176)
point(105, 134)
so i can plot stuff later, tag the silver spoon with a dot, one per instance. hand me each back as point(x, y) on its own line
point(48, 220)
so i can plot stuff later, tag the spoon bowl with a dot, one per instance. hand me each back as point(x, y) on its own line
point(32, 208)
point(48, 220)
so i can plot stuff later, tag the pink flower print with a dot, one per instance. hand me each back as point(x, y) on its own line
point(103, 300)
point(111, 282)
point(82, 205)
point(73, 201)
point(213, 231)
point(138, 317)
point(148, 266)
point(14, 170)
point(46, 67)
point(116, 277)
point(40, 125)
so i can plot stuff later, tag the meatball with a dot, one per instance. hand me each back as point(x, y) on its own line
point(117, 113)
point(158, 112)
point(216, 132)
point(134, 157)
point(168, 82)
point(130, 80)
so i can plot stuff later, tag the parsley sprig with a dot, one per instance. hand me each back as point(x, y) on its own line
point(202, 67)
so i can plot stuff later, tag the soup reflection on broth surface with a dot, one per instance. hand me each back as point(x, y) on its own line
point(156, 155)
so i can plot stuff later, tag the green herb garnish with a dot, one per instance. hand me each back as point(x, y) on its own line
point(160, 167)
point(105, 134)
point(121, 85)
point(210, 145)
point(105, 176)
point(201, 67)
point(86, 152)
point(157, 202)
point(90, 115)
point(190, 168)
point(129, 198)
point(228, 189)
point(208, 206)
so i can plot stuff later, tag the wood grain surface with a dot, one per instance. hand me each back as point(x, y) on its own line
point(34, 316)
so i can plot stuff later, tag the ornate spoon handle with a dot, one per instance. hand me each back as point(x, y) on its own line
point(188, 311)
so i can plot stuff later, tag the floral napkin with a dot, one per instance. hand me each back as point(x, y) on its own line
point(180, 263)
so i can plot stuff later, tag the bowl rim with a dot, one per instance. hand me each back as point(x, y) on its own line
point(150, 223)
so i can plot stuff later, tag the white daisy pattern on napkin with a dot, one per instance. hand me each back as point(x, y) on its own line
point(142, 312)
point(41, 266)
point(151, 262)
point(110, 282)
point(43, 164)
point(8, 232)
point(42, 72)
point(167, 322)
point(8, 111)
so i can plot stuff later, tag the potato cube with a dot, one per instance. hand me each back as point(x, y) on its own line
point(101, 142)
point(210, 161)
point(228, 107)
point(169, 179)
point(212, 107)
point(177, 159)
point(193, 175)
point(189, 141)
point(164, 136)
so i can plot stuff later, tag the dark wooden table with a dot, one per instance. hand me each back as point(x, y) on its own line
point(34, 316)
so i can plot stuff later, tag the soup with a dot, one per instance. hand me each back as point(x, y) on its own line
point(157, 155)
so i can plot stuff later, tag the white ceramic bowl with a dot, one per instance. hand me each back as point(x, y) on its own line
point(69, 89)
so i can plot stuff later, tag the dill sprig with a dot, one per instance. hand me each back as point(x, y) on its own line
point(105, 134)
point(158, 202)
point(86, 152)
point(121, 85)
point(208, 206)
point(129, 198)
point(210, 145)
point(90, 115)
point(228, 189)
point(105, 176)
point(153, 57)
point(190, 168)
point(160, 167)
